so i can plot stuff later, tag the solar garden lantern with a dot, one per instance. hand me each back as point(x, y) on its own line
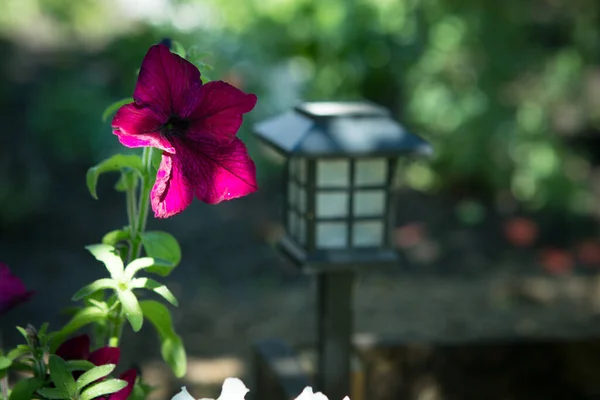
point(338, 208)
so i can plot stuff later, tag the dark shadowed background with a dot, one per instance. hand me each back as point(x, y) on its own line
point(499, 228)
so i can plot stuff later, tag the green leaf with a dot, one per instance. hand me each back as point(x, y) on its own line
point(18, 351)
point(103, 388)
point(116, 236)
point(44, 329)
point(159, 288)
point(21, 366)
point(110, 257)
point(178, 48)
point(203, 66)
point(132, 309)
point(53, 393)
point(60, 375)
point(23, 333)
point(84, 317)
point(172, 349)
point(145, 263)
point(118, 162)
point(99, 284)
point(140, 391)
point(24, 389)
point(162, 245)
point(114, 107)
point(79, 365)
point(94, 374)
point(127, 181)
point(5, 362)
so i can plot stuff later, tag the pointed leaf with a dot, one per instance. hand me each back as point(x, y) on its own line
point(43, 329)
point(103, 388)
point(18, 351)
point(79, 365)
point(162, 245)
point(53, 393)
point(110, 257)
point(117, 162)
point(60, 375)
point(94, 374)
point(145, 263)
point(5, 362)
point(99, 284)
point(23, 333)
point(84, 317)
point(128, 181)
point(25, 388)
point(172, 349)
point(178, 48)
point(157, 287)
point(114, 107)
point(114, 237)
point(131, 308)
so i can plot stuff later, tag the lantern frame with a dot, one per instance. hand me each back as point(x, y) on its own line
point(352, 132)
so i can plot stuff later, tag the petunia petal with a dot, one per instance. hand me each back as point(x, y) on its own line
point(217, 172)
point(164, 80)
point(307, 394)
point(233, 389)
point(76, 348)
point(129, 376)
point(12, 290)
point(105, 355)
point(171, 193)
point(183, 395)
point(138, 126)
point(215, 111)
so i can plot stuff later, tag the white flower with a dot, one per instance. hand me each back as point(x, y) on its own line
point(233, 389)
point(307, 394)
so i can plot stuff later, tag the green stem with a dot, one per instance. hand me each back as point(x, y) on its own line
point(116, 328)
point(144, 203)
point(131, 217)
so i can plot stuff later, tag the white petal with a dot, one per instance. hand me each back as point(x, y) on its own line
point(183, 395)
point(307, 394)
point(233, 389)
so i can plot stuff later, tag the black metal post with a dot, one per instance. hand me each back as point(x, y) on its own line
point(334, 329)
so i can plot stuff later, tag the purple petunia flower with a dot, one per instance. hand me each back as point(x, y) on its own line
point(195, 125)
point(12, 290)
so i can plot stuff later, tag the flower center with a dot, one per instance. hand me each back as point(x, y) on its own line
point(175, 126)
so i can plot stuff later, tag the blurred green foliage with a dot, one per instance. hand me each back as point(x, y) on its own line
point(497, 86)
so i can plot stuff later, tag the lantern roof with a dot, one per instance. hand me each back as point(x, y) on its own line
point(326, 129)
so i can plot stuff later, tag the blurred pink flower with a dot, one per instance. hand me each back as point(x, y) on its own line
point(12, 290)
point(521, 232)
point(195, 125)
point(557, 261)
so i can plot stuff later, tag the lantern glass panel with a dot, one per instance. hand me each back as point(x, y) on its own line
point(292, 223)
point(301, 200)
point(302, 170)
point(331, 205)
point(302, 231)
point(371, 171)
point(293, 194)
point(333, 173)
point(367, 234)
point(331, 235)
point(369, 203)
